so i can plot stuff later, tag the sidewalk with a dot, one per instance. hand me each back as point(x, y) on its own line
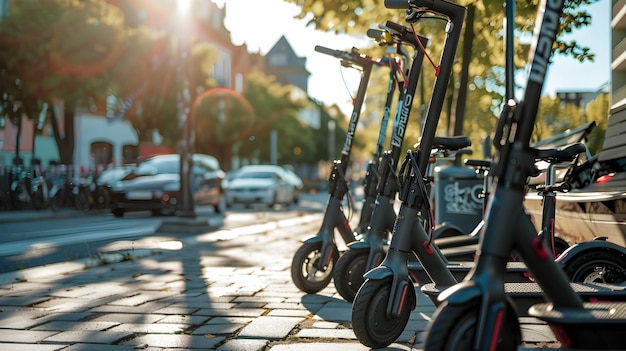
point(222, 290)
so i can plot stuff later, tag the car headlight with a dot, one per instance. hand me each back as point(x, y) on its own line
point(172, 187)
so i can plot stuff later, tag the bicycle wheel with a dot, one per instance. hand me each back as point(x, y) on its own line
point(369, 314)
point(81, 200)
point(56, 202)
point(349, 271)
point(307, 273)
point(453, 328)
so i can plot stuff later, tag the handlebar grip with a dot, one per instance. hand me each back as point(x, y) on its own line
point(397, 4)
point(327, 51)
point(374, 33)
point(396, 27)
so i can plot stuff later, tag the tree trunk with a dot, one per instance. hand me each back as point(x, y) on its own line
point(458, 114)
point(18, 136)
point(65, 142)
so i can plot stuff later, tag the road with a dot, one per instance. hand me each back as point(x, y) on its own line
point(34, 241)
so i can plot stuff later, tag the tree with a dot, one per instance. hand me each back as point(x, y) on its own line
point(73, 51)
point(598, 110)
point(485, 67)
point(229, 123)
point(554, 118)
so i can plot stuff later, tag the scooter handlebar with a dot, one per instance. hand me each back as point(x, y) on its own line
point(397, 4)
point(327, 51)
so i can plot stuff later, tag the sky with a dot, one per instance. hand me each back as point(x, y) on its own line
point(260, 24)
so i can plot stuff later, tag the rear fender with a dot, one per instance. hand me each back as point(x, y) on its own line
point(598, 244)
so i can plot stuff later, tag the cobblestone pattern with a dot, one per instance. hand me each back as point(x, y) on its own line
point(214, 294)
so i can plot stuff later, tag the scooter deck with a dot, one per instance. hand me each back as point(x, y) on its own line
point(525, 295)
point(515, 271)
point(599, 326)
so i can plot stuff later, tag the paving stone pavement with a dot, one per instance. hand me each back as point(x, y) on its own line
point(217, 292)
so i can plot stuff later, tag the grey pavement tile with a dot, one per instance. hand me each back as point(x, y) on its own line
point(332, 346)
point(232, 312)
point(325, 325)
point(24, 336)
point(31, 347)
point(27, 300)
point(184, 319)
point(102, 347)
point(335, 314)
point(93, 337)
point(271, 328)
point(69, 304)
point(177, 309)
point(187, 342)
point(227, 320)
point(66, 316)
point(141, 318)
point(243, 345)
point(346, 334)
point(261, 299)
point(252, 305)
point(70, 325)
point(145, 308)
point(288, 313)
point(154, 328)
point(291, 306)
point(217, 329)
point(141, 298)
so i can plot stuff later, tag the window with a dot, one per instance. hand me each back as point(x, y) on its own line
point(102, 152)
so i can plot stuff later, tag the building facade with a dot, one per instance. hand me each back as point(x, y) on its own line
point(618, 45)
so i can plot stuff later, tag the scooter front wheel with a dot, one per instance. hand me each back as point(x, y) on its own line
point(453, 328)
point(370, 322)
point(307, 272)
point(349, 271)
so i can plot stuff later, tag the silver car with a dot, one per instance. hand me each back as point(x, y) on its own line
point(262, 184)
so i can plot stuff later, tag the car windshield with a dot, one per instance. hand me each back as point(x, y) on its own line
point(255, 175)
point(158, 166)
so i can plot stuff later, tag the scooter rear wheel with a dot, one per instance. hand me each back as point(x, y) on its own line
point(307, 273)
point(370, 322)
point(597, 267)
point(453, 328)
point(349, 271)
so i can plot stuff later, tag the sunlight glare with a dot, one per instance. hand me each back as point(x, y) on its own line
point(183, 7)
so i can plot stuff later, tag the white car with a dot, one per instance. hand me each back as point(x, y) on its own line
point(262, 184)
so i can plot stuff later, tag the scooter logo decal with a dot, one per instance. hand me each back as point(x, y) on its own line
point(463, 200)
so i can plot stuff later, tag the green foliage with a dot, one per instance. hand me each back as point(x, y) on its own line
point(598, 110)
point(486, 70)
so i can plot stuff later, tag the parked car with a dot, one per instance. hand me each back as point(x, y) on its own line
point(262, 184)
point(154, 185)
point(104, 182)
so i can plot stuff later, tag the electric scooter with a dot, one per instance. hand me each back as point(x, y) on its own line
point(368, 251)
point(313, 262)
point(477, 314)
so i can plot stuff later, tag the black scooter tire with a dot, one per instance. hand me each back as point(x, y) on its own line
point(369, 318)
point(584, 268)
point(453, 328)
point(304, 273)
point(349, 271)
